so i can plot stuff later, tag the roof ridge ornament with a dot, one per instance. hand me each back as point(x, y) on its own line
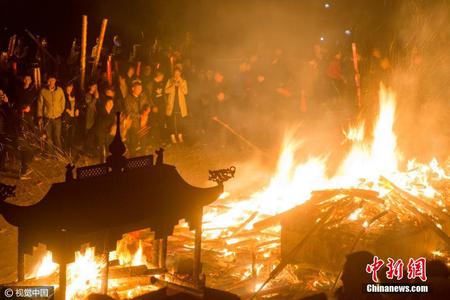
point(222, 175)
point(116, 161)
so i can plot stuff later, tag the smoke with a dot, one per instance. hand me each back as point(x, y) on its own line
point(414, 35)
point(421, 78)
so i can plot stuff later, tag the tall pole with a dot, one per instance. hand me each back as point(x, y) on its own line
point(20, 258)
point(357, 77)
point(12, 45)
point(100, 44)
point(105, 272)
point(62, 280)
point(109, 70)
point(197, 255)
point(83, 52)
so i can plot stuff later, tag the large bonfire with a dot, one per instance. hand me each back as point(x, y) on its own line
point(241, 237)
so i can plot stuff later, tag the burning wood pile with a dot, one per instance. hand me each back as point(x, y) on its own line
point(291, 237)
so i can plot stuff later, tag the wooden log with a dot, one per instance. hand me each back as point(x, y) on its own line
point(416, 200)
point(316, 197)
point(177, 285)
point(155, 253)
point(163, 253)
point(245, 223)
point(51, 279)
point(20, 257)
point(362, 193)
point(197, 255)
point(421, 215)
point(10, 49)
point(105, 273)
point(133, 271)
point(294, 251)
point(83, 52)
point(100, 45)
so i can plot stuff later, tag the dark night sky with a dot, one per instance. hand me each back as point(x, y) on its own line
point(226, 23)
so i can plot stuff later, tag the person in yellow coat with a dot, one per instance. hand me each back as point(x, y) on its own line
point(176, 107)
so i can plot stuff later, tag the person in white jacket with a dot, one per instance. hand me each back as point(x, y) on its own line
point(176, 107)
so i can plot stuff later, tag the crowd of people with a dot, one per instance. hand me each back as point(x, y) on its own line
point(164, 94)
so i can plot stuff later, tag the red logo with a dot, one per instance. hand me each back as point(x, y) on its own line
point(374, 267)
point(395, 269)
point(416, 268)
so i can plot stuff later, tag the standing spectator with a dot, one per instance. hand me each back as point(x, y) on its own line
point(11, 137)
point(110, 93)
point(70, 117)
point(51, 104)
point(147, 80)
point(336, 76)
point(158, 98)
point(130, 77)
point(26, 100)
point(157, 93)
point(145, 131)
point(91, 102)
point(176, 109)
point(105, 122)
point(134, 103)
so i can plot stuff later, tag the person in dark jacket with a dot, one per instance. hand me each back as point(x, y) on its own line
point(105, 122)
point(134, 104)
point(70, 117)
point(26, 101)
point(91, 100)
point(158, 98)
point(12, 137)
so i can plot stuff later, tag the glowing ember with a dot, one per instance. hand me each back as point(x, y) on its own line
point(139, 258)
point(45, 267)
point(367, 160)
point(355, 215)
point(84, 275)
point(125, 256)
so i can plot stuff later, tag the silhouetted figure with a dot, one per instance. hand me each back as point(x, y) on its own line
point(354, 278)
point(438, 281)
